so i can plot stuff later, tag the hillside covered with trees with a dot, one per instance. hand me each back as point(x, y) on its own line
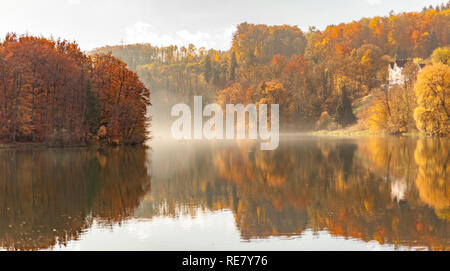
point(52, 93)
point(322, 79)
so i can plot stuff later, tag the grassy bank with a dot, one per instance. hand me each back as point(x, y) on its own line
point(353, 132)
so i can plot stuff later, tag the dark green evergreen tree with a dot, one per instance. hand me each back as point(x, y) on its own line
point(233, 66)
point(92, 115)
point(344, 111)
point(207, 73)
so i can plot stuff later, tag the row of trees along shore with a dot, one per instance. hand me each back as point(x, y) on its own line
point(322, 79)
point(53, 93)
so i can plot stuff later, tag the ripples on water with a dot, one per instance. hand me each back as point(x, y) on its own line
point(311, 193)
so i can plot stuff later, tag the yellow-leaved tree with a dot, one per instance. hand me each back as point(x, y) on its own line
point(441, 55)
point(432, 90)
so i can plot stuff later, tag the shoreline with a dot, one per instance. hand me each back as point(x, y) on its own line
point(46, 146)
point(320, 133)
point(365, 133)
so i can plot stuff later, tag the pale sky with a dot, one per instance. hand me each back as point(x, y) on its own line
point(208, 23)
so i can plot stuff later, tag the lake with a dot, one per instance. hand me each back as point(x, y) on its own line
point(312, 193)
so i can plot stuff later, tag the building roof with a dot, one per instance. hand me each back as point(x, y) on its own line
point(400, 63)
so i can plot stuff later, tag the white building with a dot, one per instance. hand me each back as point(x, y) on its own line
point(396, 77)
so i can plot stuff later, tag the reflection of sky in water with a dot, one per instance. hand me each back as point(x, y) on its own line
point(206, 231)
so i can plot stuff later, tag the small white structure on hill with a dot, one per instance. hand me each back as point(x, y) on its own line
point(396, 77)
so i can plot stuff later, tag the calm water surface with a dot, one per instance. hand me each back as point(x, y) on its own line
point(311, 193)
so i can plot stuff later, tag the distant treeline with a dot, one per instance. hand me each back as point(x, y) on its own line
point(51, 92)
point(315, 76)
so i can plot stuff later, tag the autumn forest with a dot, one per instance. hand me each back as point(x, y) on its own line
point(52, 92)
point(323, 80)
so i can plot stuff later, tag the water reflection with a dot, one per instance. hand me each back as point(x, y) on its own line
point(391, 190)
point(50, 197)
point(394, 191)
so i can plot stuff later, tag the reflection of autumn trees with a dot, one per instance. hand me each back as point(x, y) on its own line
point(50, 197)
point(184, 179)
point(269, 203)
point(343, 186)
point(432, 158)
point(391, 158)
point(392, 190)
point(123, 182)
point(421, 164)
point(366, 209)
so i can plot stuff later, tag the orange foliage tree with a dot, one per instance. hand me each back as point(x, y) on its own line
point(47, 96)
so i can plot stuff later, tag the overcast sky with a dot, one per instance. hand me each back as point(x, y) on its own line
point(209, 23)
